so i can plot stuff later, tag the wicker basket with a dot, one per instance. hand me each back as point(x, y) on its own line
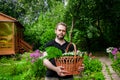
point(70, 63)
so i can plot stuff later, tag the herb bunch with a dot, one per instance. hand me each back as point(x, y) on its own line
point(53, 52)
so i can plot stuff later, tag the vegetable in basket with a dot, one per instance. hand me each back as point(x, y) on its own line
point(53, 52)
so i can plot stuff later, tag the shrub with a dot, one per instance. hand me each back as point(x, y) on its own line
point(92, 70)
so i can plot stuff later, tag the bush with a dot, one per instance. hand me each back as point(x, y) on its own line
point(93, 68)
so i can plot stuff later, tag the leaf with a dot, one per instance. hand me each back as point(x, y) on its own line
point(53, 52)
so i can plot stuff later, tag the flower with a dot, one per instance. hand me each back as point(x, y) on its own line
point(35, 55)
point(114, 51)
point(109, 50)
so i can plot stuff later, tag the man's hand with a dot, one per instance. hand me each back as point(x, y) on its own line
point(81, 68)
point(60, 71)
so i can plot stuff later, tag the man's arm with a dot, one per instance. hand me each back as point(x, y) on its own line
point(49, 65)
point(60, 70)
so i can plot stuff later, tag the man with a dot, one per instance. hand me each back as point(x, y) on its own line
point(54, 72)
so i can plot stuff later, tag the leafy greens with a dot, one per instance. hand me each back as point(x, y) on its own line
point(53, 52)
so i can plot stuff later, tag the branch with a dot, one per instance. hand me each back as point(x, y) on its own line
point(71, 30)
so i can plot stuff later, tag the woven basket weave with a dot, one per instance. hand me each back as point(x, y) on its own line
point(71, 64)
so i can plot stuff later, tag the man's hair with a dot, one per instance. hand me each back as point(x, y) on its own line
point(61, 23)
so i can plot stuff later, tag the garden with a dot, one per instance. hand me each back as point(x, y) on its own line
point(93, 25)
point(29, 66)
point(114, 55)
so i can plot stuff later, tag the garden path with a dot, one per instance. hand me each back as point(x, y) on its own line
point(109, 73)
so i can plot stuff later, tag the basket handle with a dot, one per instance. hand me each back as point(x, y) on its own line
point(75, 50)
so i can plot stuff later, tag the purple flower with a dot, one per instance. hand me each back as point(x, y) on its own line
point(37, 51)
point(35, 55)
point(32, 55)
point(114, 51)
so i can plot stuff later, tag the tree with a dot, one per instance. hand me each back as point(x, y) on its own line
point(43, 29)
point(93, 22)
point(26, 11)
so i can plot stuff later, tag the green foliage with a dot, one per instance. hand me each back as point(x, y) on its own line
point(3, 59)
point(48, 35)
point(93, 76)
point(96, 22)
point(92, 21)
point(116, 63)
point(92, 65)
point(97, 76)
point(38, 69)
point(42, 30)
point(53, 52)
point(25, 11)
point(21, 69)
point(92, 69)
point(11, 71)
point(84, 31)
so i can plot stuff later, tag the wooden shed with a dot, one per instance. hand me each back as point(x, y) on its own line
point(11, 36)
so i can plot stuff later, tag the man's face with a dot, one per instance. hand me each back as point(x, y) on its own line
point(60, 31)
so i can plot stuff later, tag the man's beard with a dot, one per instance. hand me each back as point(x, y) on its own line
point(60, 38)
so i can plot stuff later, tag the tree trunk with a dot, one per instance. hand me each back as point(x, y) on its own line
point(71, 30)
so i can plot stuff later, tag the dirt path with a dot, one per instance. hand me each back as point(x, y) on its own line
point(107, 70)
